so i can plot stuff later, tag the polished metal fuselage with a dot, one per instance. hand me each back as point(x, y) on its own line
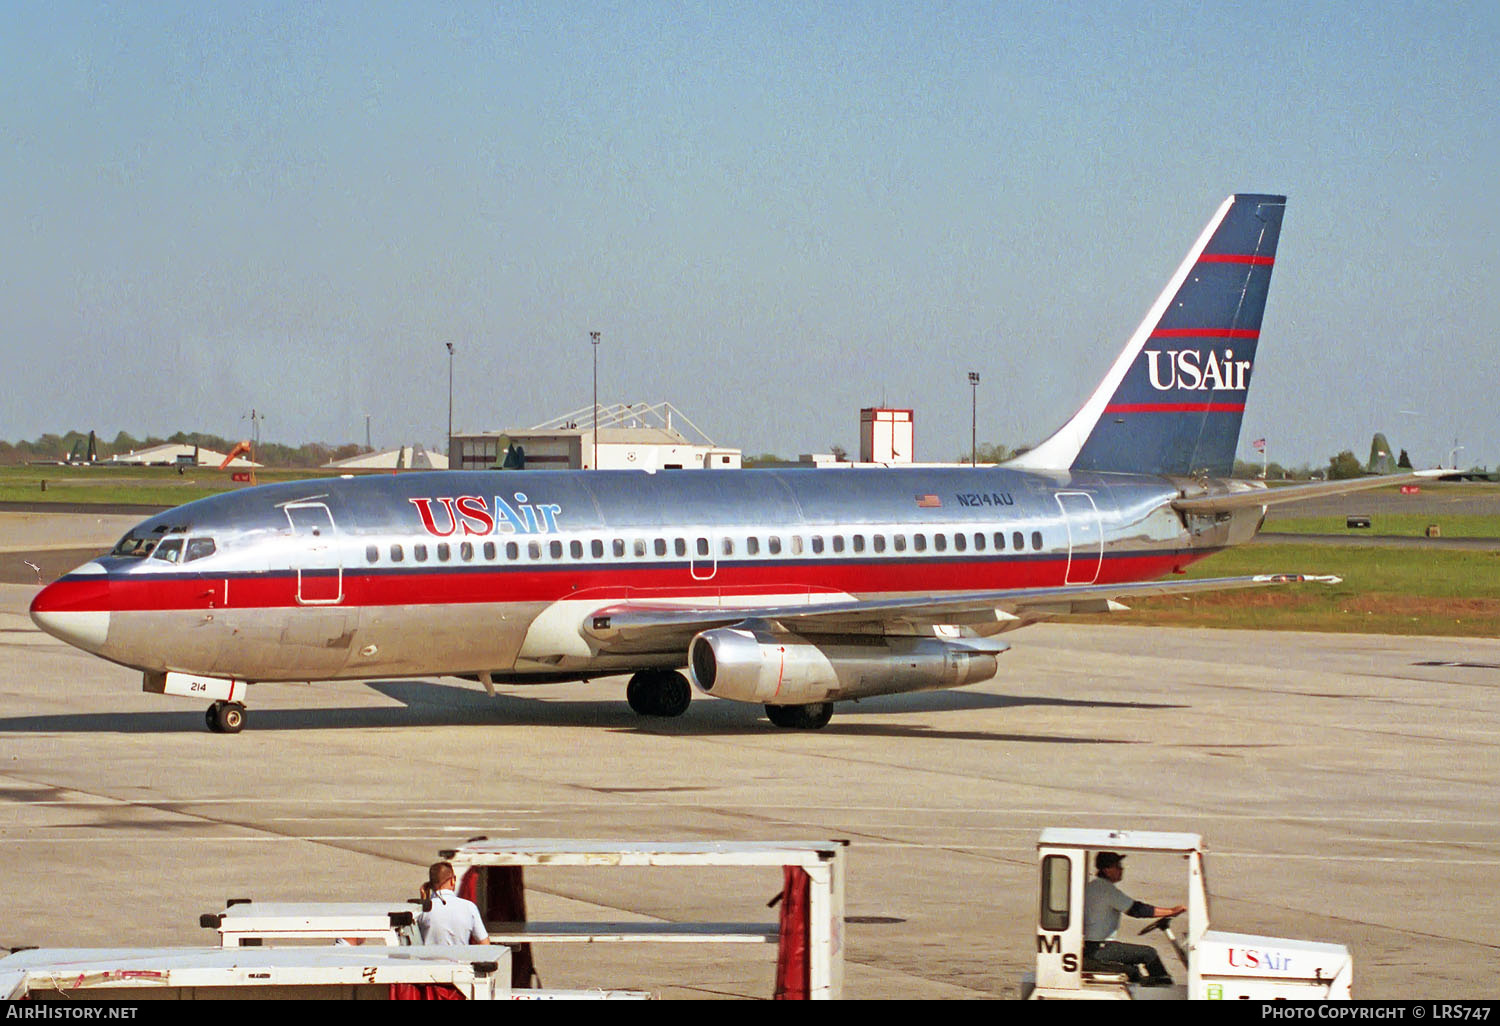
point(496, 572)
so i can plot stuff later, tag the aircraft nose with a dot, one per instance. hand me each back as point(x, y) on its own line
point(75, 608)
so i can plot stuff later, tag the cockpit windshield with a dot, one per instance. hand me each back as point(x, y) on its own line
point(134, 545)
point(169, 549)
point(197, 548)
point(140, 542)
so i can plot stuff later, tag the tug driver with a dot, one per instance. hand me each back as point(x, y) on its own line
point(1103, 903)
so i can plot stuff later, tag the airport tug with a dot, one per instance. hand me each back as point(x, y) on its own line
point(1220, 966)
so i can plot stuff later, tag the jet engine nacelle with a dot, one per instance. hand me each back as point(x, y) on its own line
point(776, 668)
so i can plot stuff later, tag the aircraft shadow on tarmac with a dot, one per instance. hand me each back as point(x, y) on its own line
point(429, 704)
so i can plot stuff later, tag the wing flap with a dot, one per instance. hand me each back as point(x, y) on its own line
point(639, 626)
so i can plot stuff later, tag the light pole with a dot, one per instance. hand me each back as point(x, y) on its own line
point(450, 405)
point(594, 341)
point(973, 418)
point(255, 418)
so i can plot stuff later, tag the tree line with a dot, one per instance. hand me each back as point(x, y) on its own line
point(1344, 465)
point(50, 447)
point(271, 454)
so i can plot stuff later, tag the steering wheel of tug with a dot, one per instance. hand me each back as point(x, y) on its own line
point(1159, 924)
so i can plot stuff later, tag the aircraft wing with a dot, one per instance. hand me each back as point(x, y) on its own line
point(1258, 495)
point(639, 626)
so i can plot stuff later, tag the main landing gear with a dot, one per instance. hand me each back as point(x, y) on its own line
point(801, 717)
point(225, 717)
point(659, 693)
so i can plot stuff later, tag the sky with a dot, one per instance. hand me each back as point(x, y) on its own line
point(773, 213)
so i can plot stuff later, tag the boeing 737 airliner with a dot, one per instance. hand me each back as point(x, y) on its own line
point(792, 589)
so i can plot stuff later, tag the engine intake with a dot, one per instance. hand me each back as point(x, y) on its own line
point(745, 664)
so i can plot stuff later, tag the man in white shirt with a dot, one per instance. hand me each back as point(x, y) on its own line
point(449, 919)
point(1103, 903)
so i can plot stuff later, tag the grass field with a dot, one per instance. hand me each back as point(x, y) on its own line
point(1400, 525)
point(152, 486)
point(1384, 591)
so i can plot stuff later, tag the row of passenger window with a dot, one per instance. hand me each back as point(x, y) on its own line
point(702, 548)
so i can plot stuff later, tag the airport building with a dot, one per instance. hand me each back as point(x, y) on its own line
point(173, 454)
point(887, 436)
point(631, 436)
point(405, 457)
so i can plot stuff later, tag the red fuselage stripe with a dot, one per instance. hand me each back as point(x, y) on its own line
point(459, 585)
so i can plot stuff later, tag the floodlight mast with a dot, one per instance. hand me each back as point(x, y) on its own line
point(973, 418)
point(450, 403)
point(594, 341)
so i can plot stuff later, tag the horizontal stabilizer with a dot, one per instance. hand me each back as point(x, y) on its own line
point(1210, 501)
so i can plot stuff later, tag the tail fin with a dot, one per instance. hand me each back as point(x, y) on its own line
point(1381, 460)
point(1173, 401)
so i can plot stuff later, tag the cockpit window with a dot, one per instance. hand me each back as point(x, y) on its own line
point(197, 548)
point(133, 544)
point(140, 542)
point(169, 549)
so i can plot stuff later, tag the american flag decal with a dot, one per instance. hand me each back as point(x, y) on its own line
point(928, 502)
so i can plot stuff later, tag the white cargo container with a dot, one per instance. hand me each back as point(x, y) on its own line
point(810, 941)
point(472, 972)
point(281, 924)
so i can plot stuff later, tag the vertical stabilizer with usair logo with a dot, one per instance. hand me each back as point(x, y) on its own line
point(1173, 401)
